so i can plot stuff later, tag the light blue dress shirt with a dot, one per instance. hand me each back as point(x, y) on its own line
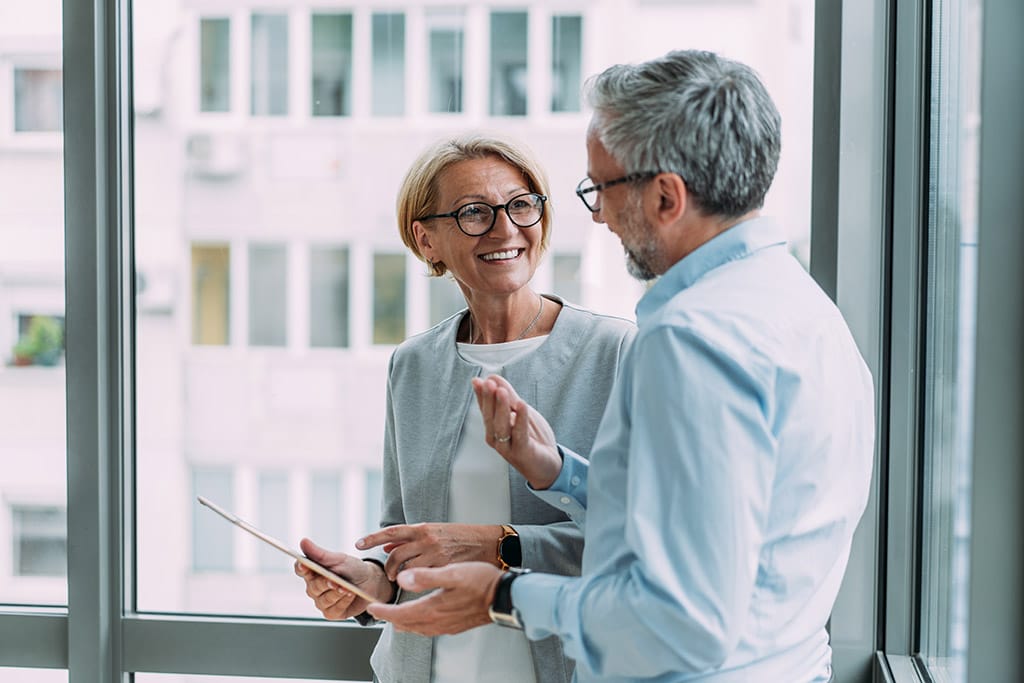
point(728, 475)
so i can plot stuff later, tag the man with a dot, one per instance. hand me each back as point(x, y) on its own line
point(733, 461)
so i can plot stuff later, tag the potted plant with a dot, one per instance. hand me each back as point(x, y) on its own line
point(41, 344)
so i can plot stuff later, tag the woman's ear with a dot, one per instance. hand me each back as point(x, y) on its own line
point(424, 240)
point(670, 199)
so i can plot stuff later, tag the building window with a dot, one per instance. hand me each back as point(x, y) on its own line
point(212, 549)
point(332, 64)
point(273, 519)
point(40, 540)
point(388, 64)
point(446, 44)
point(566, 62)
point(508, 63)
point(325, 509)
point(214, 65)
point(210, 294)
point(566, 283)
point(328, 297)
point(388, 298)
point(269, 64)
point(445, 298)
point(40, 340)
point(268, 293)
point(38, 103)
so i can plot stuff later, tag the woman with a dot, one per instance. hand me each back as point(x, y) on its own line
point(477, 208)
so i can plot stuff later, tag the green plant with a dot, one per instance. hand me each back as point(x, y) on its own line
point(42, 342)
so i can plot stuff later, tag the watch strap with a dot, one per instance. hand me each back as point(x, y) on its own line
point(502, 611)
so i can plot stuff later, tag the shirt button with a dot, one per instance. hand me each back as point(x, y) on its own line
point(575, 481)
point(565, 500)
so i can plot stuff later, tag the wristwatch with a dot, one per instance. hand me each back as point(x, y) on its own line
point(510, 550)
point(501, 611)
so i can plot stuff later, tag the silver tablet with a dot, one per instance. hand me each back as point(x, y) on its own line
point(270, 540)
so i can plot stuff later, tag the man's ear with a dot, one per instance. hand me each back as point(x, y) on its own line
point(670, 199)
point(423, 240)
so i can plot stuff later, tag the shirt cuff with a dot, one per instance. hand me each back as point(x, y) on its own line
point(535, 596)
point(568, 492)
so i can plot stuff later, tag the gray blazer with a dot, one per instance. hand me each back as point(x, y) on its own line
point(568, 379)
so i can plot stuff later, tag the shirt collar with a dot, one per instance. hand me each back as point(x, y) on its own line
point(739, 241)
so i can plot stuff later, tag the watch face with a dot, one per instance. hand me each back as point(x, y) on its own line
point(511, 551)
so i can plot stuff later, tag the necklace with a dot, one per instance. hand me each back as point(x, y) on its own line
point(540, 309)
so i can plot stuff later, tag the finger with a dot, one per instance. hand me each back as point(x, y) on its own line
point(484, 390)
point(399, 533)
point(335, 604)
point(520, 428)
point(502, 421)
point(422, 579)
point(399, 558)
point(317, 586)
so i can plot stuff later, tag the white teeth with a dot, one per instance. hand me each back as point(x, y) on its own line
point(498, 255)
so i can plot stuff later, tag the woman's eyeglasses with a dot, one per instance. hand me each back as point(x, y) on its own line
point(477, 218)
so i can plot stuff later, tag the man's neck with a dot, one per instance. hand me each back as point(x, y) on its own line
point(703, 229)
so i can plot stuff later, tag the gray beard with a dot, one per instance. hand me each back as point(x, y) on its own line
point(638, 268)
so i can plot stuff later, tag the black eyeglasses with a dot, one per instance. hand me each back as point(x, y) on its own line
point(477, 218)
point(585, 187)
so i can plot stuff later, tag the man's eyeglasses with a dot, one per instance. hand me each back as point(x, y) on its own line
point(586, 186)
point(477, 218)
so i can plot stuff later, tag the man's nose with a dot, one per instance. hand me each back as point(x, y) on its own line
point(596, 215)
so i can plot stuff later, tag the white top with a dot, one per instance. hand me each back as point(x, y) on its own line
point(479, 494)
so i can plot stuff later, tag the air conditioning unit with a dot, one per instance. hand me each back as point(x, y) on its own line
point(217, 156)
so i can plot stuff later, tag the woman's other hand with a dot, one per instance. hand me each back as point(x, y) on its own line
point(333, 601)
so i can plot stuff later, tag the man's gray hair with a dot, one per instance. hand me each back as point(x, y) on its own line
point(693, 113)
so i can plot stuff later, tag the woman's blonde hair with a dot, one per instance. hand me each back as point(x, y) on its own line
point(419, 192)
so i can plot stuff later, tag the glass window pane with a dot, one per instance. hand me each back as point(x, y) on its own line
point(269, 64)
point(446, 44)
point(567, 276)
point(273, 519)
point(950, 336)
point(332, 64)
point(212, 537)
point(328, 297)
point(268, 287)
point(189, 678)
point(388, 64)
point(9, 675)
point(508, 64)
point(214, 64)
point(210, 300)
point(446, 299)
point(566, 62)
point(325, 509)
point(38, 100)
point(388, 298)
point(33, 399)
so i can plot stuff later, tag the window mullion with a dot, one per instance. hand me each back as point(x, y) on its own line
point(94, 161)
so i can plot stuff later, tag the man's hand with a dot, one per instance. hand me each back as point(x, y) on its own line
point(465, 593)
point(434, 545)
point(333, 601)
point(519, 433)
